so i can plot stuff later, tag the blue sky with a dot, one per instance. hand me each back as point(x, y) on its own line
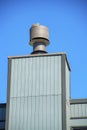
point(67, 23)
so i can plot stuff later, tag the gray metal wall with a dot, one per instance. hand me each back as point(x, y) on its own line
point(39, 95)
point(78, 113)
point(35, 76)
point(34, 93)
point(78, 110)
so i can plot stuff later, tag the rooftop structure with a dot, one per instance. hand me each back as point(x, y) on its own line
point(38, 95)
point(39, 38)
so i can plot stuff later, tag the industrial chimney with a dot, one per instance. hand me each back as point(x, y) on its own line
point(39, 38)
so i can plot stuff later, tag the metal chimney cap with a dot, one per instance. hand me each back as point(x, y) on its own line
point(39, 33)
point(38, 25)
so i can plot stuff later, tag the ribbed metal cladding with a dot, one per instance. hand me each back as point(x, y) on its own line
point(78, 110)
point(35, 94)
point(35, 76)
point(78, 115)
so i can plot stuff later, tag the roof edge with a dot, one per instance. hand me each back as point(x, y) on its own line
point(45, 54)
point(78, 101)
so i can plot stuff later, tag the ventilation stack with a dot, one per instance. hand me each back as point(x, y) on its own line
point(39, 38)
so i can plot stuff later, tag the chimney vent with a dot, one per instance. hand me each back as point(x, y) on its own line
point(39, 38)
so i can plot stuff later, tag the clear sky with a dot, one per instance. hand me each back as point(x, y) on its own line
point(67, 23)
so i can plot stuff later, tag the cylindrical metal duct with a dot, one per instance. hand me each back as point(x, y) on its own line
point(39, 38)
point(39, 46)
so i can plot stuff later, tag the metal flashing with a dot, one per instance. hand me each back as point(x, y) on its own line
point(40, 55)
point(8, 93)
point(82, 117)
point(37, 55)
point(78, 128)
point(63, 85)
point(78, 101)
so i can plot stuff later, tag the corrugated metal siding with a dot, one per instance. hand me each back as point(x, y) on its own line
point(35, 94)
point(78, 122)
point(35, 76)
point(78, 110)
point(34, 113)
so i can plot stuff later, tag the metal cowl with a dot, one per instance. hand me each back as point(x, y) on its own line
point(39, 37)
point(39, 33)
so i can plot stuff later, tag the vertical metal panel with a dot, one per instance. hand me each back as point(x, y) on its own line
point(72, 112)
point(52, 107)
point(67, 73)
point(44, 113)
point(40, 114)
point(78, 122)
point(58, 111)
point(67, 82)
point(78, 110)
point(8, 95)
point(35, 113)
point(10, 116)
point(35, 93)
point(84, 110)
point(63, 86)
point(35, 76)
